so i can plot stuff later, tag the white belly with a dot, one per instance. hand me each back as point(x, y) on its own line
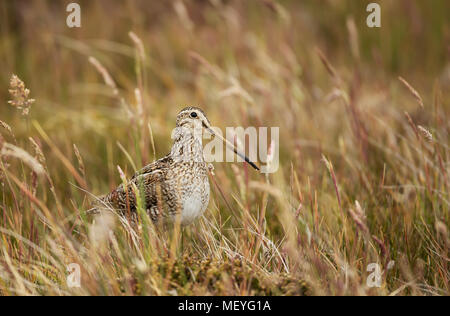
point(195, 204)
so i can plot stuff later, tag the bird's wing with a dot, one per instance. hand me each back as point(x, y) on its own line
point(145, 183)
point(156, 165)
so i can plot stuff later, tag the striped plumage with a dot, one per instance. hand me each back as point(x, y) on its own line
point(177, 185)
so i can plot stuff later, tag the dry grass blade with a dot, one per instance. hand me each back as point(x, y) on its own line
point(413, 91)
point(6, 126)
point(138, 43)
point(109, 81)
point(61, 156)
point(9, 150)
point(425, 133)
point(330, 168)
point(328, 65)
point(81, 166)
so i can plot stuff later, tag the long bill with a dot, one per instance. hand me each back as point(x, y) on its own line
point(231, 146)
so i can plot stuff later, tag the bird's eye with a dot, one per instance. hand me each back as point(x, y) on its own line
point(194, 114)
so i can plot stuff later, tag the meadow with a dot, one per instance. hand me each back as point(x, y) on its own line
point(363, 182)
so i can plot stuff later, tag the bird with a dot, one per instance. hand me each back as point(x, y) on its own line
point(175, 187)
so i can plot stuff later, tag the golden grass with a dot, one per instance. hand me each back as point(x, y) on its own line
point(364, 171)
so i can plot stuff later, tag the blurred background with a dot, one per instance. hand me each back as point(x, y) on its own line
point(268, 48)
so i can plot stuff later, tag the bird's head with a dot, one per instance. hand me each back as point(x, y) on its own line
point(192, 117)
point(195, 119)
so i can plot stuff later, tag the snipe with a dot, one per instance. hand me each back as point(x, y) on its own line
point(177, 185)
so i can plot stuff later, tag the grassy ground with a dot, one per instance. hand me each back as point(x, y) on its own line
point(364, 154)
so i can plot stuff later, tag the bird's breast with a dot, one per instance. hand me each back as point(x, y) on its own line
point(195, 202)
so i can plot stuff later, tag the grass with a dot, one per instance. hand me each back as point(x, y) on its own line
point(364, 146)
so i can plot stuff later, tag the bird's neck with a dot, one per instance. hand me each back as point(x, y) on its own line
point(187, 145)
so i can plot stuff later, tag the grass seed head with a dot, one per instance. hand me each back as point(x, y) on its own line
point(425, 133)
point(6, 126)
point(10, 150)
point(20, 95)
point(412, 90)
